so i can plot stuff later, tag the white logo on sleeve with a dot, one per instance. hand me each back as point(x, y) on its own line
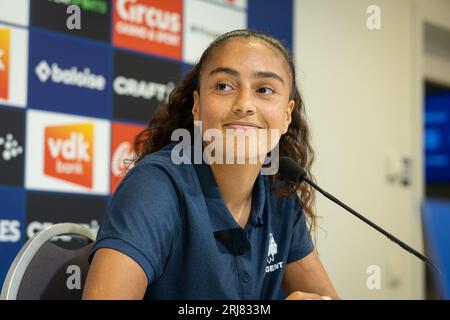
point(273, 250)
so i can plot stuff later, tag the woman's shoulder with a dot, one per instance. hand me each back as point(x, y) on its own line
point(160, 168)
point(160, 157)
point(150, 183)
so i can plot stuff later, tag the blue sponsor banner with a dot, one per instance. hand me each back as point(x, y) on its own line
point(436, 223)
point(69, 75)
point(272, 17)
point(12, 226)
point(437, 137)
point(185, 68)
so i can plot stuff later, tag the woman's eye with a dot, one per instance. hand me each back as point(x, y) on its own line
point(265, 90)
point(223, 87)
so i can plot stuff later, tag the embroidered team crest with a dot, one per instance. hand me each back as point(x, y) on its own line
point(273, 249)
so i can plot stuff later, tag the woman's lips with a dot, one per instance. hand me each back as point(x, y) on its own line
point(240, 126)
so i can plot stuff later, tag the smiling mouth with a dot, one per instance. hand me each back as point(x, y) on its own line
point(242, 126)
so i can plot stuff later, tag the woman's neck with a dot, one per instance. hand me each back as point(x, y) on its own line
point(235, 182)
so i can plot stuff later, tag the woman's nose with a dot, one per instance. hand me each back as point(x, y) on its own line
point(243, 103)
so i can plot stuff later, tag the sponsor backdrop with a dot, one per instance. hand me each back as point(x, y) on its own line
point(72, 101)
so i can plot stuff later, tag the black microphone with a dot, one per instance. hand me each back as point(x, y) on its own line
point(290, 170)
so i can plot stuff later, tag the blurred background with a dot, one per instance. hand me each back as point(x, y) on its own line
point(76, 87)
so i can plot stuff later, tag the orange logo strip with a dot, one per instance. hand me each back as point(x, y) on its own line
point(5, 38)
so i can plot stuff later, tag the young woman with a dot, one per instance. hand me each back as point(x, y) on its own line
point(213, 230)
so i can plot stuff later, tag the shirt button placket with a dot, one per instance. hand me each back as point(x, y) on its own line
point(243, 250)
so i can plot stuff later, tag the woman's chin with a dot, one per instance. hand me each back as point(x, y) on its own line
point(252, 158)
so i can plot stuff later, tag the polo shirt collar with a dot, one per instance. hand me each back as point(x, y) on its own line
point(220, 217)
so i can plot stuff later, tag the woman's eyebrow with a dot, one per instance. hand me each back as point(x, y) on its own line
point(268, 74)
point(230, 71)
point(258, 74)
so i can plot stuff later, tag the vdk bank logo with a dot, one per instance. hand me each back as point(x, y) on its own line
point(71, 77)
point(69, 153)
point(5, 36)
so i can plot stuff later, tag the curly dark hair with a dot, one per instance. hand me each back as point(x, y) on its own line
point(177, 113)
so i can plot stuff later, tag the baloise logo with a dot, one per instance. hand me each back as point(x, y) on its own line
point(71, 77)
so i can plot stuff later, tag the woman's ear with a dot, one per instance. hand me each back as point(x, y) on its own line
point(196, 106)
point(288, 118)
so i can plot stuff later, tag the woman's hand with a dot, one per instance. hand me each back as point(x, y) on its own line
point(307, 275)
point(298, 295)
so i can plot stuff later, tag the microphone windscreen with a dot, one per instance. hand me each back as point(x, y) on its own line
point(290, 170)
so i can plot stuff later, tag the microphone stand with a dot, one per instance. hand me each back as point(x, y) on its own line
point(370, 223)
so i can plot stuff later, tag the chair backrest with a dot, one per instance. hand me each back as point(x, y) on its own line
point(436, 225)
point(51, 265)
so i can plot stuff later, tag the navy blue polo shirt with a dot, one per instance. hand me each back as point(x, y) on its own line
point(172, 220)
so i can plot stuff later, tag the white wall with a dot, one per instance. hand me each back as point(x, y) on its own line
point(362, 91)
